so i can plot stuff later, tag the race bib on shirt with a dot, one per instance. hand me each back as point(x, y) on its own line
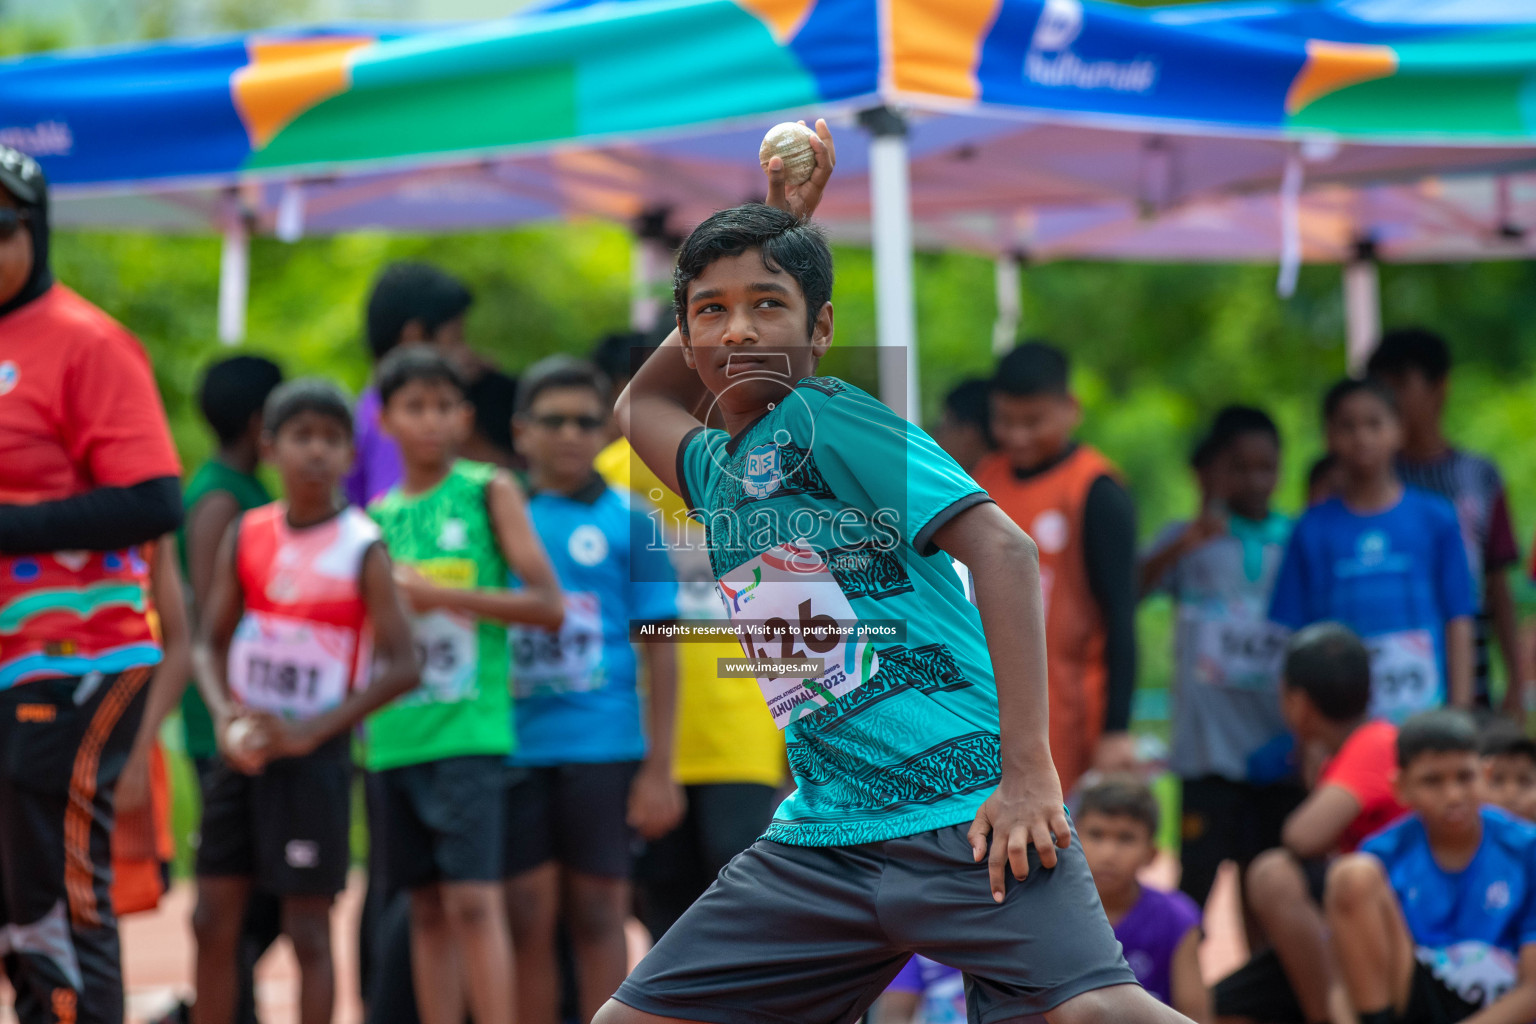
point(568, 661)
point(1478, 972)
point(1405, 674)
point(791, 608)
point(1233, 651)
point(290, 667)
point(446, 648)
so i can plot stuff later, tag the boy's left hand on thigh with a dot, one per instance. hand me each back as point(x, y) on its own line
point(1026, 808)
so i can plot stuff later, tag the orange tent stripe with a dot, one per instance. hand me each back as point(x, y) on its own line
point(287, 77)
point(1334, 66)
point(937, 47)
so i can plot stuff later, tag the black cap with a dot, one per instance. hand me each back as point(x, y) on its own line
point(21, 176)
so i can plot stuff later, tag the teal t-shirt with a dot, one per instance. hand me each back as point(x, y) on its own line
point(820, 518)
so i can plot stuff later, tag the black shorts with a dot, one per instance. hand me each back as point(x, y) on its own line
point(1225, 820)
point(572, 814)
point(1259, 990)
point(796, 933)
point(63, 743)
point(442, 821)
point(287, 829)
point(1431, 1002)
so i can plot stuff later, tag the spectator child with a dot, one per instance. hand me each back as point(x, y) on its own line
point(1069, 500)
point(923, 992)
point(591, 774)
point(1508, 779)
point(283, 653)
point(1434, 920)
point(964, 429)
point(1416, 365)
point(1219, 570)
point(455, 530)
point(1159, 931)
point(1325, 696)
point(1385, 560)
point(411, 304)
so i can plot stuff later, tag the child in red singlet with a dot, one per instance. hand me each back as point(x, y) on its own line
point(283, 659)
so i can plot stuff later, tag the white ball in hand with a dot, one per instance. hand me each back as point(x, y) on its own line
point(240, 735)
point(790, 142)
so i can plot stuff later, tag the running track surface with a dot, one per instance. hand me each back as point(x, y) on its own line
point(157, 952)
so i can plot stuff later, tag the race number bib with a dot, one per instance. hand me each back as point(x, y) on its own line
point(290, 667)
point(1478, 972)
point(568, 661)
point(1405, 674)
point(1233, 650)
point(446, 649)
point(796, 610)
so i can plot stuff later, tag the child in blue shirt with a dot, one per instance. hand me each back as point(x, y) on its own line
point(1435, 919)
point(1384, 559)
point(589, 774)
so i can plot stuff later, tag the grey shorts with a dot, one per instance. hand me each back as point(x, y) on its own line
point(794, 934)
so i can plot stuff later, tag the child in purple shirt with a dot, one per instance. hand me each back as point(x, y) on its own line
point(411, 304)
point(1160, 931)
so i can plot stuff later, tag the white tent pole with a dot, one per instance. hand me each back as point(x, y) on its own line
point(1362, 306)
point(643, 305)
point(890, 202)
point(234, 279)
point(1010, 309)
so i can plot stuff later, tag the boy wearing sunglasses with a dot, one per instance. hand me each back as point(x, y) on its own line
point(589, 773)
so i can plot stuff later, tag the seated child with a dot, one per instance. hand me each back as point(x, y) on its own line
point(1325, 696)
point(1434, 920)
point(1508, 780)
point(1160, 931)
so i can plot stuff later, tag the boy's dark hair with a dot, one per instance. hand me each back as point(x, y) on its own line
point(1443, 731)
point(235, 389)
point(1033, 368)
point(559, 371)
point(1503, 738)
point(1328, 663)
point(307, 394)
point(494, 396)
point(416, 363)
point(1121, 796)
point(967, 402)
point(1235, 421)
point(1351, 386)
point(618, 356)
point(412, 291)
point(1411, 348)
point(797, 247)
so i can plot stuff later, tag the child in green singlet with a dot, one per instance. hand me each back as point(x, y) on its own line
point(455, 529)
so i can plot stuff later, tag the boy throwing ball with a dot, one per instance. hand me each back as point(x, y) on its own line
point(282, 659)
point(922, 767)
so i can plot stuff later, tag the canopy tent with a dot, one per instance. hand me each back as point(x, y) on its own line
point(1019, 115)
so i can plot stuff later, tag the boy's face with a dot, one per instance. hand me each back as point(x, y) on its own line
point(1509, 781)
point(1246, 473)
point(1033, 429)
point(429, 420)
point(1419, 399)
point(1297, 710)
point(746, 332)
point(562, 432)
point(1364, 434)
point(1117, 847)
point(311, 452)
point(1442, 787)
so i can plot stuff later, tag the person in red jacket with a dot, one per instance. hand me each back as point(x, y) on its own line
point(1070, 501)
point(90, 474)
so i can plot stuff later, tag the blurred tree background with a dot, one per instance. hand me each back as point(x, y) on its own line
point(1157, 348)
